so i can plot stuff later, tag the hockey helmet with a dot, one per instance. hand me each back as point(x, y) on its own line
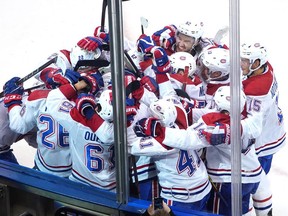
point(216, 59)
point(191, 29)
point(104, 105)
point(179, 60)
point(165, 111)
point(254, 51)
point(222, 99)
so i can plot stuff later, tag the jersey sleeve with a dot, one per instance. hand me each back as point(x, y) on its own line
point(149, 146)
point(186, 139)
point(23, 118)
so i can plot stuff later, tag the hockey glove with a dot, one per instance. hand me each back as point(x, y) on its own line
point(86, 105)
point(72, 76)
point(104, 35)
point(161, 60)
point(131, 110)
point(13, 93)
point(94, 81)
point(136, 89)
point(90, 43)
point(59, 79)
point(217, 134)
point(145, 44)
point(165, 37)
point(147, 127)
point(150, 84)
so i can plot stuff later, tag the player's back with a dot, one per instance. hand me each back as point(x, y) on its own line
point(53, 153)
point(93, 161)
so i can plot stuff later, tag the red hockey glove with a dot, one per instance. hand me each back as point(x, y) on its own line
point(86, 105)
point(145, 44)
point(90, 43)
point(217, 134)
point(150, 84)
point(165, 37)
point(94, 81)
point(104, 35)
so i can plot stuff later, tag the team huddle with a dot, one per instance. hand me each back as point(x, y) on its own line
point(178, 118)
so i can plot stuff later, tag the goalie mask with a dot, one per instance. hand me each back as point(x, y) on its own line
point(222, 99)
point(77, 54)
point(179, 60)
point(165, 111)
point(104, 105)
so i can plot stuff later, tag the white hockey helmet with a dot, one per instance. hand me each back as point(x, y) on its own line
point(165, 111)
point(104, 105)
point(77, 54)
point(254, 51)
point(216, 59)
point(179, 60)
point(222, 99)
point(191, 29)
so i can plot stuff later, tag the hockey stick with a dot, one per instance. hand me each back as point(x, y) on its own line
point(130, 64)
point(217, 192)
point(103, 15)
point(220, 34)
point(186, 77)
point(33, 73)
point(144, 24)
point(94, 63)
point(34, 87)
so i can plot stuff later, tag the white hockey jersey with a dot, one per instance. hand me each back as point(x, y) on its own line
point(182, 174)
point(265, 121)
point(218, 158)
point(53, 153)
point(93, 156)
point(7, 136)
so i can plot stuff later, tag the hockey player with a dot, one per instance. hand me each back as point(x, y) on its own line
point(9, 137)
point(92, 152)
point(182, 174)
point(265, 121)
point(188, 81)
point(52, 138)
point(212, 131)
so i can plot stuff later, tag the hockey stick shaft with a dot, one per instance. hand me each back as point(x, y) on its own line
point(33, 73)
point(131, 64)
point(186, 70)
point(104, 6)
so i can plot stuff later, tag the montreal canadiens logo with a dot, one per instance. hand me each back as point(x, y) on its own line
point(158, 108)
point(223, 61)
point(183, 58)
